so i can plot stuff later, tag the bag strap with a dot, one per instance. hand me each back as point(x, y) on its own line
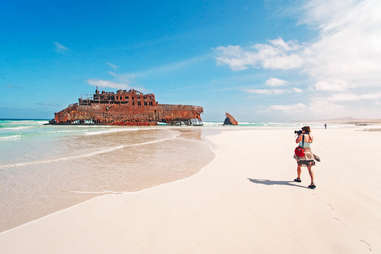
point(303, 141)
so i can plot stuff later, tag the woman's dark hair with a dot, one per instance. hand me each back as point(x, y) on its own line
point(307, 129)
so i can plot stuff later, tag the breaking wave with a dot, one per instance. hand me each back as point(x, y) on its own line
point(90, 133)
point(13, 137)
point(17, 128)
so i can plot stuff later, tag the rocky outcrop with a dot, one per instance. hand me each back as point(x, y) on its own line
point(230, 120)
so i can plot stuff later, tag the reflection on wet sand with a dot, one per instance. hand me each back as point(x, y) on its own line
point(146, 158)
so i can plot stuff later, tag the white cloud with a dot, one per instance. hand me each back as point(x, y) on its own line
point(331, 85)
point(292, 108)
point(114, 66)
point(266, 91)
point(280, 43)
point(321, 108)
point(318, 108)
point(274, 82)
point(60, 48)
point(354, 97)
point(273, 91)
point(278, 54)
point(345, 56)
point(349, 45)
point(107, 83)
point(111, 73)
point(297, 90)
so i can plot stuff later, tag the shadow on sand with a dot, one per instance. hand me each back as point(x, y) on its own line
point(270, 182)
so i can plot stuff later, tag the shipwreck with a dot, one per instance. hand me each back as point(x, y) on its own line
point(124, 107)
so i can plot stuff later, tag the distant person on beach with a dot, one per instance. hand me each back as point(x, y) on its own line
point(325, 126)
point(305, 158)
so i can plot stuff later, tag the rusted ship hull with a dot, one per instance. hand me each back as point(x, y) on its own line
point(121, 114)
point(126, 108)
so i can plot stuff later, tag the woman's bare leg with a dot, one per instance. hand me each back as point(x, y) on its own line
point(311, 174)
point(299, 171)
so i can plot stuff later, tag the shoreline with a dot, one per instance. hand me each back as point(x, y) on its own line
point(66, 197)
point(238, 202)
point(110, 193)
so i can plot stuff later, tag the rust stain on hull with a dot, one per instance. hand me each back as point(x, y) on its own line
point(127, 108)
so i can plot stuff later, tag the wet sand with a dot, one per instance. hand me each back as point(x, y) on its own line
point(127, 161)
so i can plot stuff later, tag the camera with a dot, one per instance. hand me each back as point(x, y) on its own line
point(298, 132)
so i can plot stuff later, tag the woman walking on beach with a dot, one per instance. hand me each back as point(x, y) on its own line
point(305, 158)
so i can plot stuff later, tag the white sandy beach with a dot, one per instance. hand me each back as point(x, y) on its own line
point(244, 201)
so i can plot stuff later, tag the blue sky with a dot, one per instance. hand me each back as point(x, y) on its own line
point(259, 60)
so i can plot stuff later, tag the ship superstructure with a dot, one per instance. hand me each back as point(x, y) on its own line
point(124, 107)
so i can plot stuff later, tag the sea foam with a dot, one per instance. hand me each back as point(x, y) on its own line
point(17, 128)
point(90, 133)
point(12, 137)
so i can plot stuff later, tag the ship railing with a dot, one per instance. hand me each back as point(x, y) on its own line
point(180, 107)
